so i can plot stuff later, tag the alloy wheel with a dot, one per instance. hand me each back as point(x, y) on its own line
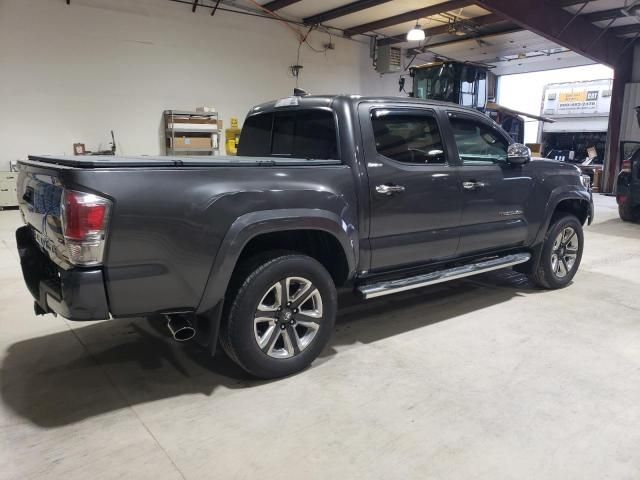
point(288, 317)
point(564, 252)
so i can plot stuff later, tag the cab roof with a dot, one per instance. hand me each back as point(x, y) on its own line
point(332, 101)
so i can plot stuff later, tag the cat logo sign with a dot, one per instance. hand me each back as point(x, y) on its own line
point(572, 97)
point(581, 101)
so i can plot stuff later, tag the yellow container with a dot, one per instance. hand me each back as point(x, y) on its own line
point(232, 137)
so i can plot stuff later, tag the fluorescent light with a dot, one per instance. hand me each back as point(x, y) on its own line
point(416, 34)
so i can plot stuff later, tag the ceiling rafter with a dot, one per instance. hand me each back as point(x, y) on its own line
point(626, 29)
point(604, 15)
point(568, 3)
point(278, 4)
point(408, 16)
point(343, 10)
point(215, 8)
point(480, 38)
point(482, 21)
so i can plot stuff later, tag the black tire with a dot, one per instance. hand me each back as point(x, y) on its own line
point(239, 334)
point(545, 275)
point(627, 212)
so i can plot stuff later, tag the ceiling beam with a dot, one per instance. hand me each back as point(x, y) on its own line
point(408, 16)
point(569, 3)
point(562, 27)
point(626, 29)
point(428, 32)
point(278, 4)
point(446, 43)
point(215, 8)
point(481, 21)
point(604, 15)
point(343, 10)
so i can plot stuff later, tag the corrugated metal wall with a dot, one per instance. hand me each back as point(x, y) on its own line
point(629, 130)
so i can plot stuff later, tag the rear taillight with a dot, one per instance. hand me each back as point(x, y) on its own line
point(626, 165)
point(84, 224)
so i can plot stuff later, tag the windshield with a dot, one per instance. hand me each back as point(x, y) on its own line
point(436, 83)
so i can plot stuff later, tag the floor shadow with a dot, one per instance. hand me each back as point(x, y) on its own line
point(615, 227)
point(51, 381)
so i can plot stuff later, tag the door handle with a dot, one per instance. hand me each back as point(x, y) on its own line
point(389, 189)
point(472, 185)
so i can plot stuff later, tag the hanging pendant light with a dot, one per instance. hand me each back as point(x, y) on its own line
point(416, 34)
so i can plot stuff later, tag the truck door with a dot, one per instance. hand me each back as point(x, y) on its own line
point(495, 193)
point(415, 200)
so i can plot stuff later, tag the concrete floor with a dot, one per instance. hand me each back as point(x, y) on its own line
point(486, 378)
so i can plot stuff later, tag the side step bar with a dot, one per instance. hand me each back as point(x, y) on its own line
point(374, 290)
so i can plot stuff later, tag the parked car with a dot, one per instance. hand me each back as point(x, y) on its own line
point(376, 195)
point(628, 188)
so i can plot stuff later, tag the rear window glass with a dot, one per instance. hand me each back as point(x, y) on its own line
point(255, 139)
point(309, 134)
point(283, 135)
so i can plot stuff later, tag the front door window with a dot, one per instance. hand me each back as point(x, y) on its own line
point(477, 142)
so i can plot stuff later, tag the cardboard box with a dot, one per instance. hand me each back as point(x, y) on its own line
point(536, 149)
point(192, 142)
point(193, 120)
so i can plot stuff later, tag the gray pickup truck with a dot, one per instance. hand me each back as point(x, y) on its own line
point(373, 195)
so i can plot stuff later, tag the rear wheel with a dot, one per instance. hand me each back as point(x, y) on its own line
point(281, 316)
point(627, 212)
point(561, 253)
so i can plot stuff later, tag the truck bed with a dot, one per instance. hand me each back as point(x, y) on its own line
point(169, 217)
point(109, 161)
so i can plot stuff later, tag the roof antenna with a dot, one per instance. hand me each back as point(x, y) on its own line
point(298, 92)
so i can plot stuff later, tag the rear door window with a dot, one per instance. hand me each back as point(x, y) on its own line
point(306, 134)
point(408, 136)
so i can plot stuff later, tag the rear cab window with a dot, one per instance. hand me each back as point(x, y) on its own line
point(306, 134)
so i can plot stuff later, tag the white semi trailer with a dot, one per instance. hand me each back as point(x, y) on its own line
point(581, 114)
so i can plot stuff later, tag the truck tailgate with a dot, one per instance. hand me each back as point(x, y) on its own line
point(39, 196)
point(75, 293)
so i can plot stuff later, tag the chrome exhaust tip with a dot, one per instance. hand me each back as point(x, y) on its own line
point(180, 327)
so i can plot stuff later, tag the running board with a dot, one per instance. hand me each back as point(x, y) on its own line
point(374, 290)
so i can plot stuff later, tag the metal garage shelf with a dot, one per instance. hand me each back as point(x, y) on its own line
point(188, 131)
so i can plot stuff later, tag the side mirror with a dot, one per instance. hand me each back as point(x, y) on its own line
point(518, 154)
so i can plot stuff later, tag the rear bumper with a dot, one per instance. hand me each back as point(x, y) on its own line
point(76, 294)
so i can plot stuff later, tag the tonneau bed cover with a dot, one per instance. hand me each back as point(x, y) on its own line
point(108, 161)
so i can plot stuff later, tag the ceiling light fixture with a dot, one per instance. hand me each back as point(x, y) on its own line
point(416, 34)
point(456, 29)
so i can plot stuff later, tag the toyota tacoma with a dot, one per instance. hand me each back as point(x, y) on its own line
point(373, 195)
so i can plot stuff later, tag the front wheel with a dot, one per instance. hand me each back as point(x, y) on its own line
point(561, 253)
point(282, 316)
